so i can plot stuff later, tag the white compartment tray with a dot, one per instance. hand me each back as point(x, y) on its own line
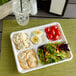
point(28, 31)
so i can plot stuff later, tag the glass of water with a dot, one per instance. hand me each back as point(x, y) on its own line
point(21, 12)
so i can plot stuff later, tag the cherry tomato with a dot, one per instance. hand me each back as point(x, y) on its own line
point(49, 36)
point(55, 37)
point(47, 29)
point(54, 27)
point(57, 32)
point(52, 31)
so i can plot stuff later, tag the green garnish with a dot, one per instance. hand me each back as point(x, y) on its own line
point(3, 1)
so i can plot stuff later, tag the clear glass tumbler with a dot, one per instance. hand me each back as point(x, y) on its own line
point(22, 15)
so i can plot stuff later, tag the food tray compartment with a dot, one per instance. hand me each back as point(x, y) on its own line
point(35, 46)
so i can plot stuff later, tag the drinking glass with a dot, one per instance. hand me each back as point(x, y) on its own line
point(21, 13)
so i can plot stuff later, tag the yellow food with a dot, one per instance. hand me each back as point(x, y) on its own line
point(57, 51)
point(67, 55)
point(35, 39)
point(38, 32)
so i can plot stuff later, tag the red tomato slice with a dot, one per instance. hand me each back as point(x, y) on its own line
point(57, 32)
point(49, 36)
point(52, 31)
point(47, 29)
point(54, 27)
point(55, 37)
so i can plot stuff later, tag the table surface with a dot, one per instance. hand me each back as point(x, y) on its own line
point(7, 62)
point(69, 13)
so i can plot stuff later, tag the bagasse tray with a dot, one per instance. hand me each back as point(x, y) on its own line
point(28, 31)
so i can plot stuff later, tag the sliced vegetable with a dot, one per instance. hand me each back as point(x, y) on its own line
point(52, 52)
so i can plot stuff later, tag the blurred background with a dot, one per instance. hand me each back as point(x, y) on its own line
point(46, 9)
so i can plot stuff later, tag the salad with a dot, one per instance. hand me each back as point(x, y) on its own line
point(53, 52)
